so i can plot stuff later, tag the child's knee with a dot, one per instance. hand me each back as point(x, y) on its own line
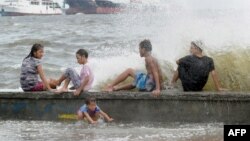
point(69, 70)
point(130, 70)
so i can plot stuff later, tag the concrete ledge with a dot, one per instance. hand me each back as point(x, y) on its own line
point(168, 95)
point(171, 106)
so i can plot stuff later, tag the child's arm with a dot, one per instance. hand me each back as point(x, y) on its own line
point(153, 68)
point(90, 120)
point(216, 81)
point(106, 116)
point(81, 88)
point(42, 76)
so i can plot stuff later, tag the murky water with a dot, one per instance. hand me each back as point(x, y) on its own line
point(112, 40)
point(44, 130)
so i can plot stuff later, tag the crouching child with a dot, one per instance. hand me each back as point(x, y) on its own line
point(91, 112)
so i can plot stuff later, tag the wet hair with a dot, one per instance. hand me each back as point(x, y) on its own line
point(34, 49)
point(89, 100)
point(82, 52)
point(146, 44)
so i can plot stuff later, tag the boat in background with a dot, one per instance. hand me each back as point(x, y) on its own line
point(107, 6)
point(30, 7)
point(93, 7)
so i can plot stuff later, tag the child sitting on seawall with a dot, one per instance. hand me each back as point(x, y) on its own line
point(31, 68)
point(152, 81)
point(91, 112)
point(82, 82)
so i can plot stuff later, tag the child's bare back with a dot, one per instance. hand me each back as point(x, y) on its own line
point(151, 63)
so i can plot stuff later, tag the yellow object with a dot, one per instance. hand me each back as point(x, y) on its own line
point(67, 116)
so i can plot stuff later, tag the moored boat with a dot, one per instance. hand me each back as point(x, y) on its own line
point(93, 7)
point(30, 7)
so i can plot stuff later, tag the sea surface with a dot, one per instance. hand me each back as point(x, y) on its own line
point(112, 42)
point(80, 131)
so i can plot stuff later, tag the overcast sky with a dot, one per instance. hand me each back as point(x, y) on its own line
point(218, 4)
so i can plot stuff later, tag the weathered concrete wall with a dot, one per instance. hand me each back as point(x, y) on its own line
point(171, 106)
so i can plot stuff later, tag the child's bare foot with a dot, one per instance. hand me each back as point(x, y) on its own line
point(62, 90)
point(110, 120)
point(109, 88)
point(171, 86)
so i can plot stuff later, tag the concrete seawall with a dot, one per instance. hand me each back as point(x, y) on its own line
point(171, 106)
